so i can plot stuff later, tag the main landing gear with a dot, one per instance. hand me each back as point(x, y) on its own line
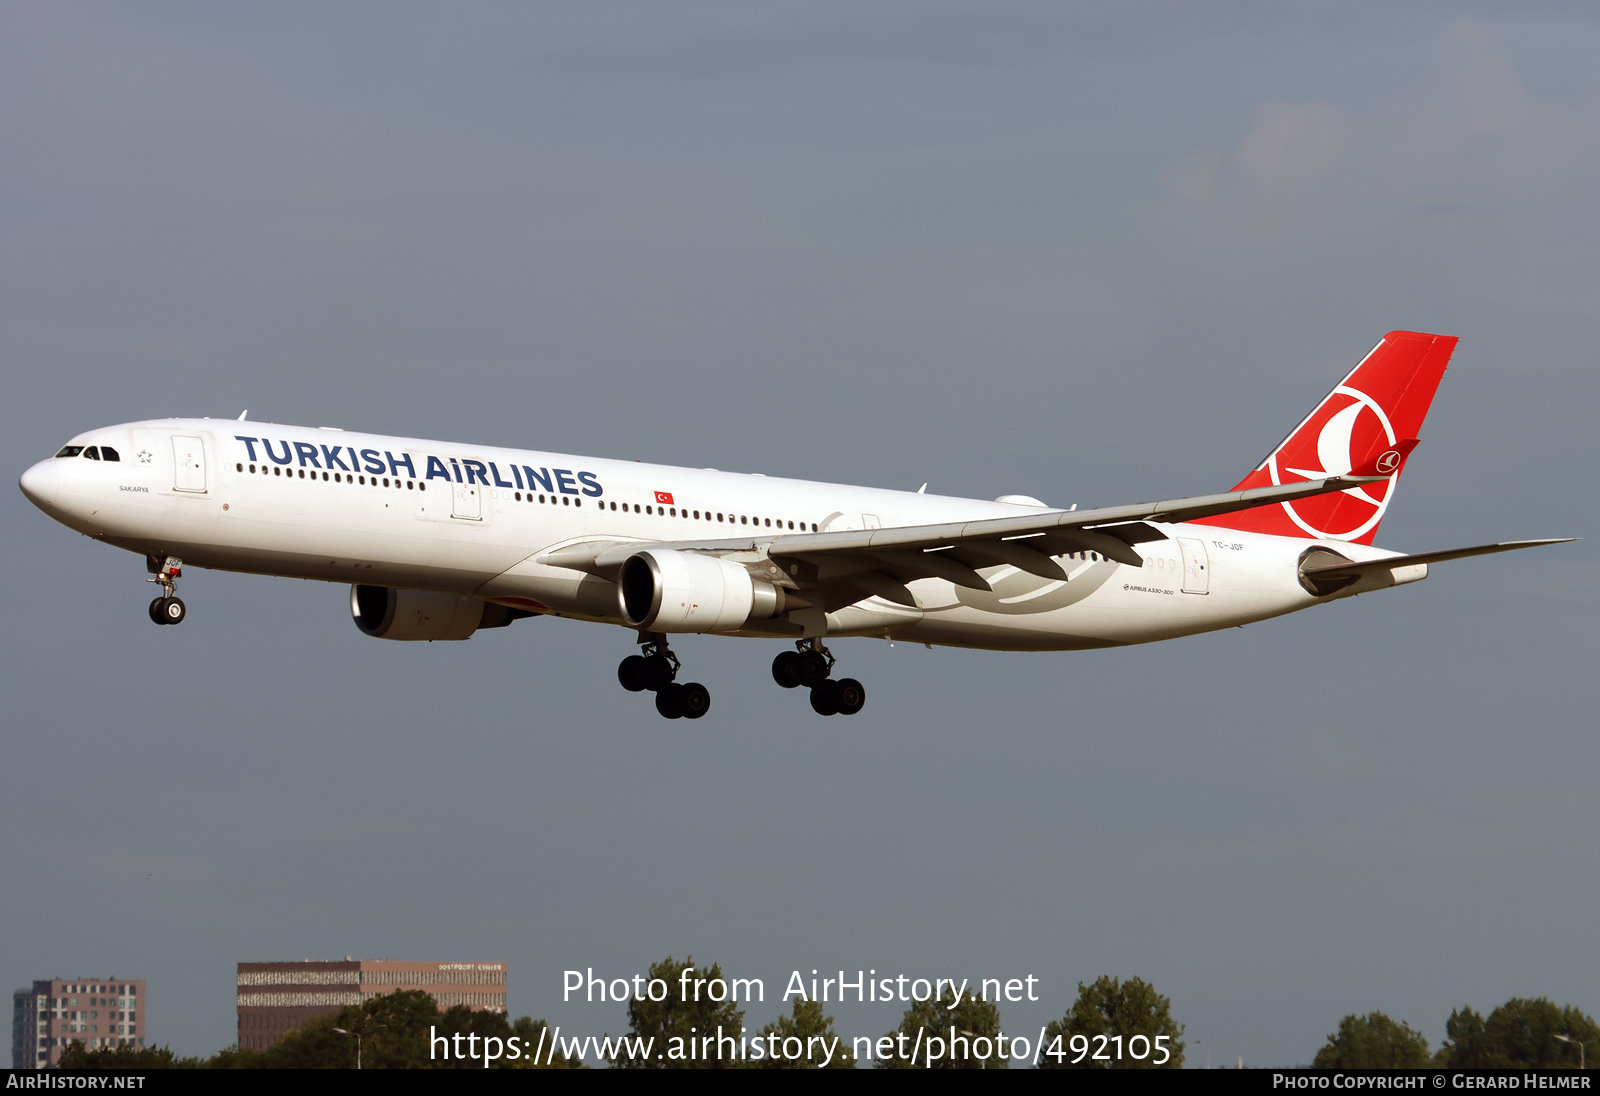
point(654, 669)
point(810, 665)
point(167, 609)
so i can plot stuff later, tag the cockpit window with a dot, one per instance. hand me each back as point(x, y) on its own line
point(70, 450)
point(108, 453)
point(92, 453)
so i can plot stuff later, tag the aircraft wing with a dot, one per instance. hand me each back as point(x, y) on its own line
point(880, 561)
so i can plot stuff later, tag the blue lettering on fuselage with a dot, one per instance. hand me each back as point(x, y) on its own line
point(466, 469)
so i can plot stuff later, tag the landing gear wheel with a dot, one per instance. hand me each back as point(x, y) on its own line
point(694, 699)
point(157, 613)
point(812, 668)
point(851, 695)
point(658, 673)
point(631, 673)
point(786, 669)
point(825, 698)
point(172, 610)
point(670, 702)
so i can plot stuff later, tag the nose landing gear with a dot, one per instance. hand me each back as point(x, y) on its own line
point(166, 609)
point(655, 669)
point(811, 665)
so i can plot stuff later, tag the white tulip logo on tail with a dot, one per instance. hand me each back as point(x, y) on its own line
point(1351, 430)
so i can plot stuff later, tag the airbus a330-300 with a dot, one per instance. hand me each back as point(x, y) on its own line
point(439, 540)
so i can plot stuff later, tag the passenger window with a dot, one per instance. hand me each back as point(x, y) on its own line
point(238, 468)
point(565, 501)
point(108, 453)
point(743, 520)
point(649, 510)
point(92, 453)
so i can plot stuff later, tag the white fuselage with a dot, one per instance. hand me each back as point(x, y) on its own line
point(474, 520)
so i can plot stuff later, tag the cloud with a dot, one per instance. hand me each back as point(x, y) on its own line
point(1468, 139)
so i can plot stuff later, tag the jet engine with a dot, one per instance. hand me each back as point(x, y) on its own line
point(662, 590)
point(387, 613)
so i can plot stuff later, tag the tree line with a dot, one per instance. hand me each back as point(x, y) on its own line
point(1523, 1033)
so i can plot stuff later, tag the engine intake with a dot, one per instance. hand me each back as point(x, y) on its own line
point(663, 590)
point(386, 613)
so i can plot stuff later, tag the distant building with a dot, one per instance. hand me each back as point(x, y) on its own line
point(278, 997)
point(54, 1014)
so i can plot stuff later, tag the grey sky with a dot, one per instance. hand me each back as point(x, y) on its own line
point(1014, 247)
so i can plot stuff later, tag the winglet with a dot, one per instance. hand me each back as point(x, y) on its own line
point(1385, 459)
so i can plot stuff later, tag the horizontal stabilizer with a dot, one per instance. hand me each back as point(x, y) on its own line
point(1353, 569)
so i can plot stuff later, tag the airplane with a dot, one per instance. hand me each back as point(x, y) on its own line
point(440, 540)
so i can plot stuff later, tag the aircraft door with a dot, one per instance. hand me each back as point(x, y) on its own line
point(188, 463)
point(1196, 568)
point(466, 502)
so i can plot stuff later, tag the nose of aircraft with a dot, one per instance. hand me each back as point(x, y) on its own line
point(41, 482)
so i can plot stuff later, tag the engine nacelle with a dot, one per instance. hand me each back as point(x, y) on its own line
point(662, 590)
point(386, 613)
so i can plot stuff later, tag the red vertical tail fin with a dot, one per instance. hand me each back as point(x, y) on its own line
point(1368, 424)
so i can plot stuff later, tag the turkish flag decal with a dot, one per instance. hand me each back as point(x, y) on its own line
point(664, 498)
